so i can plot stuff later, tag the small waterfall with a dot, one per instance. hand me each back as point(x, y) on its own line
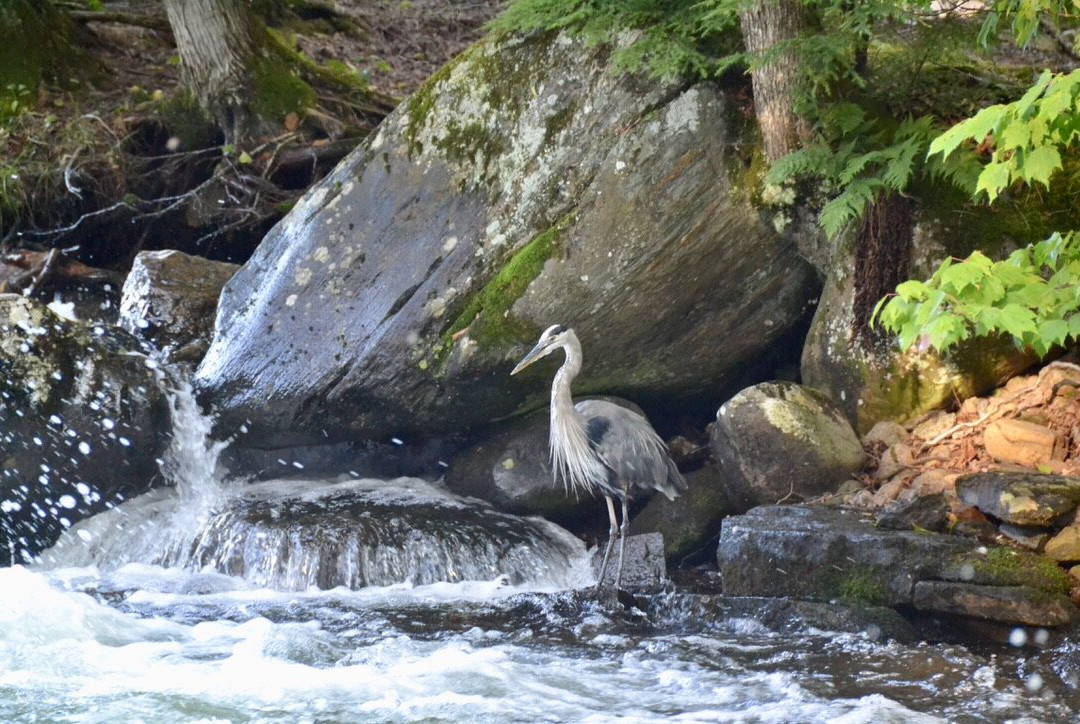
point(190, 464)
point(156, 527)
point(295, 534)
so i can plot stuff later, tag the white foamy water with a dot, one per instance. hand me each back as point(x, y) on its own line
point(153, 644)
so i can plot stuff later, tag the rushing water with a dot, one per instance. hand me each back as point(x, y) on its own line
point(121, 623)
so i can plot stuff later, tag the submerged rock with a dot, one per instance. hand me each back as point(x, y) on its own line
point(357, 534)
point(527, 183)
point(778, 441)
point(828, 554)
point(170, 298)
point(294, 534)
point(83, 417)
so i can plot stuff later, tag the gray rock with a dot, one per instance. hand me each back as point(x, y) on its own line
point(170, 298)
point(888, 433)
point(526, 183)
point(779, 441)
point(643, 567)
point(828, 554)
point(1008, 604)
point(294, 534)
point(925, 512)
point(691, 522)
point(83, 415)
point(1020, 498)
point(1029, 537)
point(510, 468)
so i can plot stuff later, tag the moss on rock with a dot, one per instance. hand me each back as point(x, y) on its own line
point(486, 315)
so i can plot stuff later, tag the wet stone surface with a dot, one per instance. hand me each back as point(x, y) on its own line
point(1021, 498)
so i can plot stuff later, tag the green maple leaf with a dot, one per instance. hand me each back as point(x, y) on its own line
point(1039, 165)
point(1054, 331)
point(993, 179)
point(1017, 321)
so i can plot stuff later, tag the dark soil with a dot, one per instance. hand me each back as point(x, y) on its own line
point(108, 162)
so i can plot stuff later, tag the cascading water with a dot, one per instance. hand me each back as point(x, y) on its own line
point(294, 534)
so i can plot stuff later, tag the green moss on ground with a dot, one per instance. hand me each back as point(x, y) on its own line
point(278, 90)
point(36, 44)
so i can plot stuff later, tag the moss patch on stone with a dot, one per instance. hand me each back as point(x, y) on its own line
point(861, 587)
point(486, 314)
point(418, 106)
point(1006, 567)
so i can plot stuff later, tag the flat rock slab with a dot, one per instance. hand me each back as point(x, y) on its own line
point(644, 565)
point(828, 554)
point(1020, 498)
point(1008, 604)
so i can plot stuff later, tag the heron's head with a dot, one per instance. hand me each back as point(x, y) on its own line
point(552, 338)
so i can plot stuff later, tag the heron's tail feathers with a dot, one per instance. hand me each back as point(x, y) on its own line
point(675, 483)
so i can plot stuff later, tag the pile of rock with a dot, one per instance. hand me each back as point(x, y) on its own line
point(1031, 424)
point(1004, 468)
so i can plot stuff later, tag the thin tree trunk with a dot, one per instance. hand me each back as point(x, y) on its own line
point(764, 24)
point(219, 42)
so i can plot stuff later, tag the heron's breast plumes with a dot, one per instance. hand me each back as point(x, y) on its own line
point(573, 459)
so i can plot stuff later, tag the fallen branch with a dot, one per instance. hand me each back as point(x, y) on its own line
point(139, 20)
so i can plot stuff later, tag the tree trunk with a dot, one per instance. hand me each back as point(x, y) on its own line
point(764, 24)
point(882, 253)
point(219, 43)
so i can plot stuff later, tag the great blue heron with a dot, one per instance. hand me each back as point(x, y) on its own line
point(600, 447)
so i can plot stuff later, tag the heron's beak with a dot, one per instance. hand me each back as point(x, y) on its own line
point(534, 354)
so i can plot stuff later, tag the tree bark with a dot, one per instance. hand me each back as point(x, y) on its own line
point(764, 24)
point(219, 42)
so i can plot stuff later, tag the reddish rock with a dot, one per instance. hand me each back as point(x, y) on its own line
point(1022, 442)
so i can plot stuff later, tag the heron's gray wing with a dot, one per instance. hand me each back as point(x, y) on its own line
point(628, 446)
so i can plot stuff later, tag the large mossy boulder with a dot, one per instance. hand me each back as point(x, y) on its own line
point(867, 375)
point(782, 442)
point(83, 416)
point(527, 183)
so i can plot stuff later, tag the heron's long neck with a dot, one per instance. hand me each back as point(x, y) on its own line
point(571, 456)
point(561, 398)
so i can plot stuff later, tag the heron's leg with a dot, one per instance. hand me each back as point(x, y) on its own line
point(612, 532)
point(622, 537)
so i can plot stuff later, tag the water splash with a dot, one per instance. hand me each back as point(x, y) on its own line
point(191, 465)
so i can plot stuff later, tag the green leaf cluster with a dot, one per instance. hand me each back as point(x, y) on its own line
point(1032, 296)
point(1025, 138)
